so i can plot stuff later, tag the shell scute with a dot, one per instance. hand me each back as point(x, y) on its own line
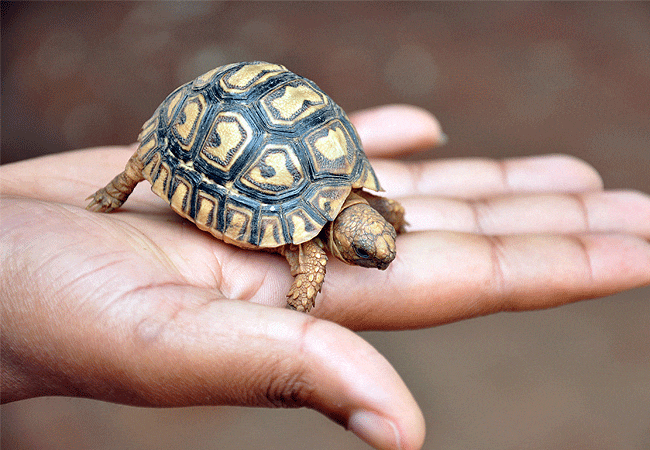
point(327, 199)
point(240, 221)
point(275, 171)
point(303, 223)
point(244, 78)
point(207, 210)
point(181, 194)
point(171, 104)
point(226, 141)
point(332, 150)
point(187, 121)
point(288, 104)
point(272, 230)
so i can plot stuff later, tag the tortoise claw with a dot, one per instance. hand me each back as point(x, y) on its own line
point(102, 201)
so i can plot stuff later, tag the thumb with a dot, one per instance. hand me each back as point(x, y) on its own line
point(240, 353)
point(253, 355)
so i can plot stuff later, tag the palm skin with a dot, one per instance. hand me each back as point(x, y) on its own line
point(140, 307)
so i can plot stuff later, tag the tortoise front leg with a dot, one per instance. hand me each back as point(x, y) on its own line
point(308, 261)
point(389, 209)
point(117, 191)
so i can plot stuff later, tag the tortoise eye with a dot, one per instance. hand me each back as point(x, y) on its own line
point(361, 253)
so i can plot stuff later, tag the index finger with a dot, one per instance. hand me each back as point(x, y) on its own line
point(394, 130)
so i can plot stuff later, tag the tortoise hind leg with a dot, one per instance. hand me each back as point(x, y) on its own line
point(391, 210)
point(118, 190)
point(307, 262)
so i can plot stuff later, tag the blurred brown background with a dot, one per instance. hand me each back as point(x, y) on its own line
point(505, 79)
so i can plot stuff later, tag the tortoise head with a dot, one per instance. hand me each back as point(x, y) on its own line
point(361, 236)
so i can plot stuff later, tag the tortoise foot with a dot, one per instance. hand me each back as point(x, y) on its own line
point(302, 295)
point(308, 261)
point(118, 190)
point(102, 201)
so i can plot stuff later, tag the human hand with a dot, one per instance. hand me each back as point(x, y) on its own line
point(122, 307)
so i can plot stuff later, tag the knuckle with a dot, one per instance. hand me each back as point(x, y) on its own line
point(288, 390)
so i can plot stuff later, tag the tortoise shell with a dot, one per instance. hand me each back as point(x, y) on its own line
point(254, 154)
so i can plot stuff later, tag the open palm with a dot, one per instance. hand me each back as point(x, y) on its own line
point(140, 307)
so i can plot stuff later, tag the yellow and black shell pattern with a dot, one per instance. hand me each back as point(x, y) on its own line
point(254, 154)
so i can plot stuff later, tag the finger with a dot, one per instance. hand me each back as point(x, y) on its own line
point(440, 277)
point(481, 178)
point(67, 177)
point(70, 177)
point(238, 353)
point(611, 211)
point(394, 130)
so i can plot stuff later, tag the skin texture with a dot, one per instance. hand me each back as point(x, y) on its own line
point(390, 209)
point(308, 262)
point(115, 193)
point(140, 307)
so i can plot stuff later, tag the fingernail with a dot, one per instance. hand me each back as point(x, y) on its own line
point(443, 139)
point(375, 430)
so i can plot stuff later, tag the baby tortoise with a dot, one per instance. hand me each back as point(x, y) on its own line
point(263, 159)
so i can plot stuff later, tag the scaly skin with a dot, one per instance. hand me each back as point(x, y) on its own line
point(115, 193)
point(360, 235)
point(308, 262)
point(390, 210)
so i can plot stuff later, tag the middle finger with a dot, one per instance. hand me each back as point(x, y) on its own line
point(473, 178)
point(611, 211)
